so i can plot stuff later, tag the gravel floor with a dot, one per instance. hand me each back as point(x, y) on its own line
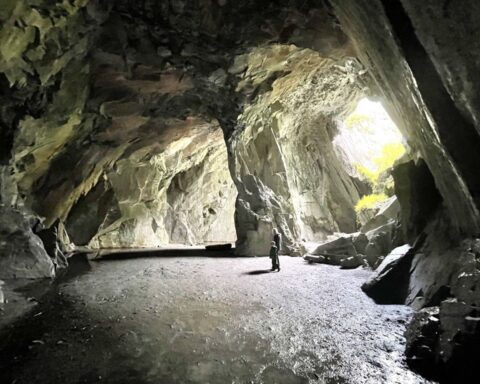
point(207, 320)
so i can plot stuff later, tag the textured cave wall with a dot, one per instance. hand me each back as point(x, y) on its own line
point(103, 126)
point(98, 91)
point(183, 195)
point(44, 74)
point(286, 170)
point(202, 201)
point(422, 56)
point(448, 33)
point(367, 24)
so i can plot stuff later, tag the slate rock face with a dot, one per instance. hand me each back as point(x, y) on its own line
point(284, 164)
point(417, 194)
point(386, 35)
point(422, 338)
point(389, 211)
point(389, 285)
point(22, 254)
point(143, 96)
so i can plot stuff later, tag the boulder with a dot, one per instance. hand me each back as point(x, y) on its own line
point(422, 340)
point(360, 242)
point(442, 342)
point(351, 262)
point(346, 251)
point(314, 259)
point(342, 246)
point(219, 247)
point(380, 243)
point(22, 254)
point(389, 285)
point(388, 212)
point(337, 250)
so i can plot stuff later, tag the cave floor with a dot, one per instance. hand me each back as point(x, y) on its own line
point(207, 320)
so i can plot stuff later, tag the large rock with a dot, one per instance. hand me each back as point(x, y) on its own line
point(337, 250)
point(422, 337)
point(345, 251)
point(438, 263)
point(360, 242)
point(389, 285)
point(381, 241)
point(22, 254)
point(389, 211)
point(351, 262)
point(342, 246)
point(444, 273)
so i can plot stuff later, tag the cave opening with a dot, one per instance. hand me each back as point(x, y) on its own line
point(369, 144)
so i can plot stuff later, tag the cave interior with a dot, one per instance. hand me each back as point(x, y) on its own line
point(351, 126)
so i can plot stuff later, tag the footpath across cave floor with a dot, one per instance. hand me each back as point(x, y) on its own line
point(199, 320)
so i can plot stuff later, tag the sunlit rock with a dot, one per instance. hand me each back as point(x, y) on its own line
point(389, 211)
point(285, 150)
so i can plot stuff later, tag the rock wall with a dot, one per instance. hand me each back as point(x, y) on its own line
point(22, 254)
point(184, 195)
point(422, 59)
point(107, 141)
point(112, 87)
point(369, 27)
point(286, 170)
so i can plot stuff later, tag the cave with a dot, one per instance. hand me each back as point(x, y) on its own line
point(149, 150)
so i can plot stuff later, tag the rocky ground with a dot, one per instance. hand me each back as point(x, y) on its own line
point(207, 320)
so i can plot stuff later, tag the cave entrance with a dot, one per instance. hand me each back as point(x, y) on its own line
point(369, 143)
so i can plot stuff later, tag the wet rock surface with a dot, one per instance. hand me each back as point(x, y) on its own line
point(197, 320)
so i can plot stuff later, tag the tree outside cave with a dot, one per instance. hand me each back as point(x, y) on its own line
point(370, 143)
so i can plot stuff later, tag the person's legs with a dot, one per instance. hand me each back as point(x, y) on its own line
point(278, 263)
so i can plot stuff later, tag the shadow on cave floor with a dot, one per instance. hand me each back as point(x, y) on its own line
point(258, 272)
point(198, 320)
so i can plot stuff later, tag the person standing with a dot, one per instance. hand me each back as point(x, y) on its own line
point(277, 239)
point(274, 256)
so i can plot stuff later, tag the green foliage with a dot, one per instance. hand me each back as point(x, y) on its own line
point(379, 178)
point(359, 121)
point(367, 173)
point(388, 155)
point(370, 201)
